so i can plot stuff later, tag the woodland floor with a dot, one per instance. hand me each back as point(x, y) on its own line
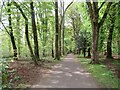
point(114, 67)
point(66, 74)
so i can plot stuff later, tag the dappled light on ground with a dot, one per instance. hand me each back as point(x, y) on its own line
point(67, 74)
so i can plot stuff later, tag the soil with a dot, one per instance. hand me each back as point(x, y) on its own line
point(113, 67)
point(28, 72)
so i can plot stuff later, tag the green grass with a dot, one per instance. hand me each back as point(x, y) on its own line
point(116, 63)
point(101, 73)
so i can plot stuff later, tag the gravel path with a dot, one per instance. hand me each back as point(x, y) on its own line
point(67, 74)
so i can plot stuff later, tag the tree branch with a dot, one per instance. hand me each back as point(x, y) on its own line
point(5, 28)
point(67, 7)
point(90, 9)
point(105, 14)
point(64, 13)
point(20, 10)
point(101, 5)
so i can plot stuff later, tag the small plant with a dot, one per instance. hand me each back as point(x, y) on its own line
point(8, 75)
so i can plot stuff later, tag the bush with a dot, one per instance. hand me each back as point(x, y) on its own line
point(8, 75)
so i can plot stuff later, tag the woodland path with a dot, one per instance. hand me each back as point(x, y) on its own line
point(67, 74)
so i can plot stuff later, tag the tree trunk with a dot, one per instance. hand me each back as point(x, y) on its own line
point(14, 45)
point(109, 40)
point(89, 54)
point(27, 39)
point(52, 49)
point(57, 55)
point(26, 30)
point(101, 38)
point(19, 34)
point(60, 40)
point(45, 31)
point(11, 33)
point(109, 43)
point(84, 52)
point(95, 43)
point(94, 16)
point(63, 28)
point(36, 49)
point(95, 32)
point(60, 28)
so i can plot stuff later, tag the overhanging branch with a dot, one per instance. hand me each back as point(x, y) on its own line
point(101, 5)
point(105, 14)
point(5, 28)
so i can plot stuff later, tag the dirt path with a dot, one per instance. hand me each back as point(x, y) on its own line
point(67, 74)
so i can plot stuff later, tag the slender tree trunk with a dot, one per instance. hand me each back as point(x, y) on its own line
point(19, 34)
point(52, 49)
point(60, 28)
point(36, 49)
point(109, 40)
point(45, 33)
point(26, 30)
point(14, 45)
point(27, 39)
point(84, 52)
point(63, 28)
point(60, 40)
point(89, 54)
point(11, 33)
point(57, 54)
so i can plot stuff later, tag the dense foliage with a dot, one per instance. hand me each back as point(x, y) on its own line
point(33, 30)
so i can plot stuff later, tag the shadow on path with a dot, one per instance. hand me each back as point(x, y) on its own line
point(67, 74)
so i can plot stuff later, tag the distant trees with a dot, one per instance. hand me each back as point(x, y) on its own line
point(36, 32)
point(80, 33)
point(62, 26)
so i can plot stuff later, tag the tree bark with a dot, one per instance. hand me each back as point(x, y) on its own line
point(94, 15)
point(36, 49)
point(109, 40)
point(19, 34)
point(57, 54)
point(52, 49)
point(89, 54)
point(11, 33)
point(45, 22)
point(84, 52)
point(62, 27)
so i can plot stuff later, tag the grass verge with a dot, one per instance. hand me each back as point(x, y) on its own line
point(101, 73)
